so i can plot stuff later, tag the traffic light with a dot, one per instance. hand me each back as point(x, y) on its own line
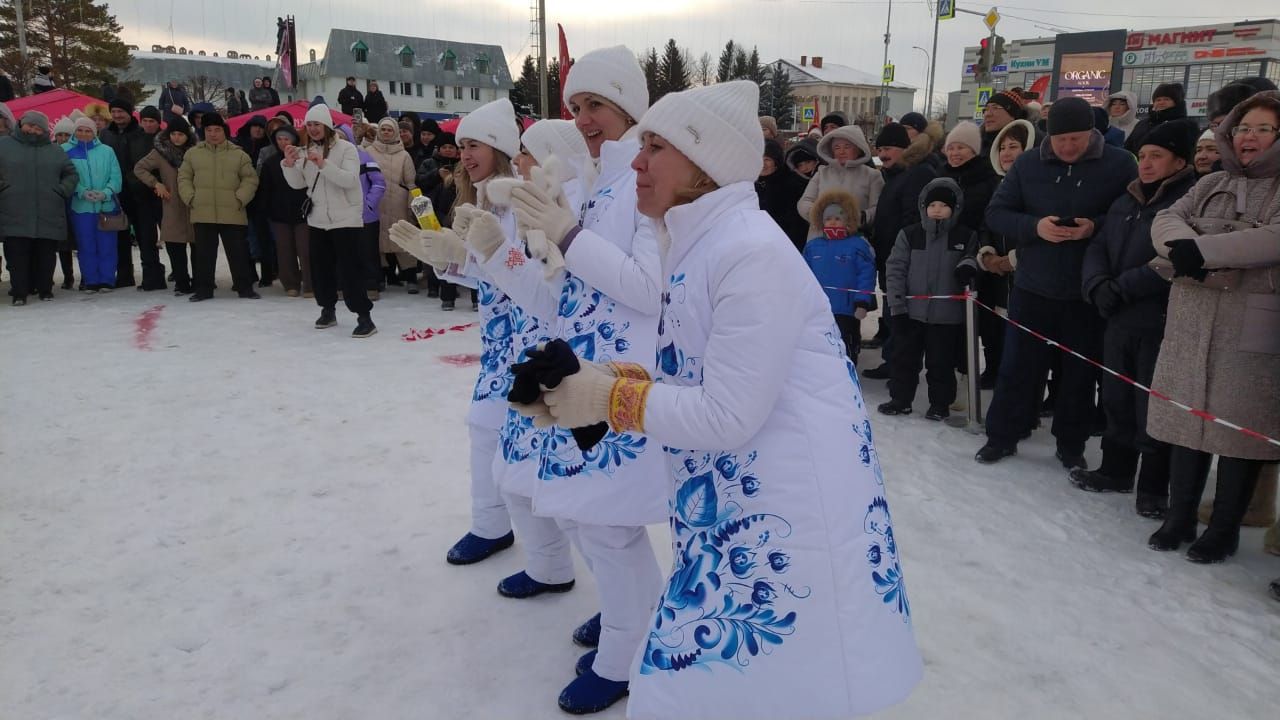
point(983, 66)
point(997, 54)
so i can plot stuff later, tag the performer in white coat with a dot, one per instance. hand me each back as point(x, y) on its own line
point(606, 265)
point(488, 137)
point(787, 598)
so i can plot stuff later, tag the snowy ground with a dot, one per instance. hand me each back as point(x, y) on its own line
point(249, 520)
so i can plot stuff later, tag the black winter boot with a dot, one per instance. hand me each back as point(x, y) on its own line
point(1153, 483)
point(1236, 480)
point(327, 319)
point(992, 453)
point(1115, 474)
point(1189, 470)
point(364, 327)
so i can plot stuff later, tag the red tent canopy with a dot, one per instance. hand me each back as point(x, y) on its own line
point(298, 109)
point(55, 104)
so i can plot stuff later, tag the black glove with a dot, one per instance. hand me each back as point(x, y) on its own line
point(1107, 298)
point(546, 367)
point(965, 274)
point(1187, 260)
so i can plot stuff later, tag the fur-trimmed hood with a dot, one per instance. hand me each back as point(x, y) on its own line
point(853, 134)
point(847, 202)
point(922, 147)
point(995, 145)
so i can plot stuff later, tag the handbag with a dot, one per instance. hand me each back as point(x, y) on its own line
point(113, 221)
point(305, 209)
point(1229, 278)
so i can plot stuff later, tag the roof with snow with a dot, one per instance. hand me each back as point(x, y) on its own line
point(836, 74)
point(473, 64)
point(158, 68)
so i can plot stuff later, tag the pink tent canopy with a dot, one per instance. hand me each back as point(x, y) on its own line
point(55, 104)
point(298, 109)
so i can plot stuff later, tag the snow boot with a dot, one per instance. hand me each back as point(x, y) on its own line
point(894, 407)
point(1099, 482)
point(584, 663)
point(1188, 472)
point(590, 693)
point(1152, 506)
point(1153, 484)
point(937, 413)
point(521, 586)
point(1115, 474)
point(364, 327)
point(1236, 481)
point(1262, 507)
point(588, 633)
point(992, 453)
point(327, 319)
point(473, 548)
point(877, 373)
point(1071, 457)
point(446, 305)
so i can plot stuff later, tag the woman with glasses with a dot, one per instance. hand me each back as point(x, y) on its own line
point(1221, 349)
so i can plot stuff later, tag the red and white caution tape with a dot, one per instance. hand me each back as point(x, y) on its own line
point(415, 335)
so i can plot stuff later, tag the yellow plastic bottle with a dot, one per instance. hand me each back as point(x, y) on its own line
point(423, 210)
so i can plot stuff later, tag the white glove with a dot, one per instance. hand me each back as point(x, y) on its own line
point(408, 237)
point(463, 216)
point(538, 208)
point(544, 251)
point(581, 399)
point(484, 235)
point(443, 248)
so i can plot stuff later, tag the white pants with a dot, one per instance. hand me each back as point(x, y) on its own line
point(629, 584)
point(547, 558)
point(489, 518)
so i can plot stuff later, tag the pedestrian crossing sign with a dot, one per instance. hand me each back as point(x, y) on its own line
point(984, 97)
point(810, 113)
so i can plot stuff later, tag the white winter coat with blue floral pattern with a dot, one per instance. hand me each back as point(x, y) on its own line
point(786, 598)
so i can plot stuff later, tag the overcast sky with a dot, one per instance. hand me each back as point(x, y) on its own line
point(843, 31)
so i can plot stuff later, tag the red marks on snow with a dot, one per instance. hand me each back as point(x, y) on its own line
point(143, 325)
point(415, 335)
point(460, 360)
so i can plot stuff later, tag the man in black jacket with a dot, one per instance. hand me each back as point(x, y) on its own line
point(375, 105)
point(1168, 102)
point(908, 166)
point(131, 143)
point(1050, 204)
point(1133, 299)
point(350, 98)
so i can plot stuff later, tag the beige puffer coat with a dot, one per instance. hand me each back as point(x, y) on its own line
point(399, 173)
point(859, 178)
point(1221, 350)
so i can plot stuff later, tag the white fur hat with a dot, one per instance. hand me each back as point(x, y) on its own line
point(320, 113)
point(615, 75)
point(717, 127)
point(559, 138)
point(493, 124)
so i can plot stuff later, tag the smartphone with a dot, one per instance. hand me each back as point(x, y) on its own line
point(357, 116)
point(1065, 222)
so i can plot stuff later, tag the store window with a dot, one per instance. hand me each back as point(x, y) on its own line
point(1273, 71)
point(1142, 81)
point(1205, 79)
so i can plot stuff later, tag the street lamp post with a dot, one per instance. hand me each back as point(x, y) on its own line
point(928, 74)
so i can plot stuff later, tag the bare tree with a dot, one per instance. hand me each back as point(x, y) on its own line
point(703, 69)
point(203, 88)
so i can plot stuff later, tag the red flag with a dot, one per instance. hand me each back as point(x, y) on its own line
point(565, 64)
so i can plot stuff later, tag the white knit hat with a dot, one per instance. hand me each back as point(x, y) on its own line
point(555, 137)
point(319, 113)
point(65, 125)
point(717, 127)
point(1206, 135)
point(85, 122)
point(493, 124)
point(389, 121)
point(966, 133)
point(615, 75)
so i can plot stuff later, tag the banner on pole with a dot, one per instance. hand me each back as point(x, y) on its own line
point(566, 62)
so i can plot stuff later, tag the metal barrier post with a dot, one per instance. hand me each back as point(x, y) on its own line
point(974, 422)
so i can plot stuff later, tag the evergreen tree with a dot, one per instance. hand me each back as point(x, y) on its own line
point(553, 89)
point(741, 70)
point(755, 71)
point(649, 63)
point(524, 96)
point(673, 70)
point(724, 70)
point(781, 97)
point(79, 39)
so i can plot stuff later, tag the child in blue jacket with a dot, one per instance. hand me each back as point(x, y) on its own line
point(843, 261)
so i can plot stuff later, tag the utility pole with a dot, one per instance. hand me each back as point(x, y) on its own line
point(933, 63)
point(543, 95)
point(22, 44)
point(884, 81)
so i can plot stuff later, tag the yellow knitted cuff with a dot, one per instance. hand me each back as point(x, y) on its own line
point(627, 401)
point(634, 371)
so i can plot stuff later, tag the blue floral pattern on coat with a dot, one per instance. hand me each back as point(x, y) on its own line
point(518, 438)
point(672, 361)
point(882, 556)
point(727, 600)
point(496, 334)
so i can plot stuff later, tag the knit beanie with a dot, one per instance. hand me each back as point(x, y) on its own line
point(150, 112)
point(893, 135)
point(493, 124)
point(1206, 135)
point(768, 122)
point(560, 138)
point(943, 193)
point(85, 122)
point(212, 119)
point(447, 138)
point(65, 125)
point(286, 115)
point(836, 118)
point(290, 131)
point(430, 126)
point(1070, 114)
point(714, 126)
point(316, 113)
point(613, 74)
point(966, 133)
point(915, 121)
point(1011, 102)
point(37, 118)
point(1172, 91)
point(177, 124)
point(121, 104)
point(1177, 136)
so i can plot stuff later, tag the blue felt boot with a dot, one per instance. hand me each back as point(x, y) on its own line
point(522, 586)
point(588, 633)
point(584, 663)
point(590, 693)
point(473, 548)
